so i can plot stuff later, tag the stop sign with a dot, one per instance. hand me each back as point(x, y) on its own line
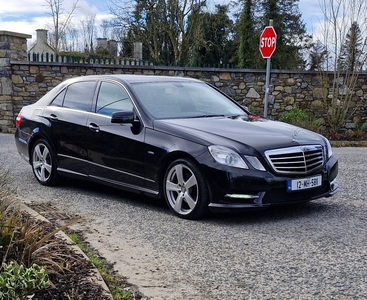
point(268, 42)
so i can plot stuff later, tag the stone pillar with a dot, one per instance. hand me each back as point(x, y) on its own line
point(13, 47)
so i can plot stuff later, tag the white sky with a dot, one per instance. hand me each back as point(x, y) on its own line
point(25, 16)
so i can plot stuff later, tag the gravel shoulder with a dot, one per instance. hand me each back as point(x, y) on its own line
point(314, 251)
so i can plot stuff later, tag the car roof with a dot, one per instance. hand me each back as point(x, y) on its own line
point(129, 78)
point(126, 79)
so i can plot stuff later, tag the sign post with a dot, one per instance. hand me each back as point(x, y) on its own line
point(268, 42)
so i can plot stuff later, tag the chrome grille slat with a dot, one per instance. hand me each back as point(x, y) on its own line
point(313, 165)
point(301, 158)
point(296, 160)
point(311, 158)
point(308, 157)
point(295, 163)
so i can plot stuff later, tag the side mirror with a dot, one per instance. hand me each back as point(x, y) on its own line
point(123, 117)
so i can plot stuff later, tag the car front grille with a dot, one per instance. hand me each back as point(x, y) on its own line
point(296, 160)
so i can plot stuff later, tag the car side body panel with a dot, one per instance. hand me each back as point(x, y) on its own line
point(67, 134)
point(115, 151)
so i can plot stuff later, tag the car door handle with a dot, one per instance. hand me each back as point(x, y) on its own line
point(94, 127)
point(53, 117)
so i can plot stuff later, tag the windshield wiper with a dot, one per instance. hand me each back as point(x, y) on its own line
point(238, 116)
point(209, 116)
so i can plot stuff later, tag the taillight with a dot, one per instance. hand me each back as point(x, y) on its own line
point(18, 120)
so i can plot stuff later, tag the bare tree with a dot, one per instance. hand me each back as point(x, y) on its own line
point(88, 31)
point(73, 39)
point(105, 28)
point(60, 20)
point(340, 17)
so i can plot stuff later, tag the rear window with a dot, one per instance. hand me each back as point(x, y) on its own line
point(59, 99)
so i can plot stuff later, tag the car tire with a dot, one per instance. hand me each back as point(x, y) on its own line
point(43, 161)
point(185, 190)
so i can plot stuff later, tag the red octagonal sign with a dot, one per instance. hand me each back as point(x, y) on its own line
point(268, 42)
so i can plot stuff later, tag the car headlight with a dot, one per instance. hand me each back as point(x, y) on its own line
point(329, 150)
point(227, 157)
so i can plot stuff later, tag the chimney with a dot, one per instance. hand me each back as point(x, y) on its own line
point(112, 47)
point(41, 36)
point(138, 50)
point(101, 43)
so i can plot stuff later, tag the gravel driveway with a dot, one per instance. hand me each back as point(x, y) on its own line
point(315, 251)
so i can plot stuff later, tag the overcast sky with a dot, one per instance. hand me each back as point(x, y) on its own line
point(25, 16)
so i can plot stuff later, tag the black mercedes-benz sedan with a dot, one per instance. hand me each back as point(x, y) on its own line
point(172, 137)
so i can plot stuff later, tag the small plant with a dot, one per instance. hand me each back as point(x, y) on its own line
point(335, 136)
point(295, 116)
point(28, 241)
point(22, 238)
point(299, 117)
point(9, 214)
point(360, 131)
point(75, 294)
point(19, 282)
point(6, 193)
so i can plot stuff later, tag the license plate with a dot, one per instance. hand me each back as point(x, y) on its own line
point(304, 183)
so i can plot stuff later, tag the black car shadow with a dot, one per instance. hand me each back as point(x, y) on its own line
point(249, 216)
point(115, 194)
point(273, 213)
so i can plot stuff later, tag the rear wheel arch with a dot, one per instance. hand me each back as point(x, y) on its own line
point(34, 139)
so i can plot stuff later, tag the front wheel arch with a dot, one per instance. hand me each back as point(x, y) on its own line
point(170, 158)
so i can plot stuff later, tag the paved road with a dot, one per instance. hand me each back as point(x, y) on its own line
point(316, 251)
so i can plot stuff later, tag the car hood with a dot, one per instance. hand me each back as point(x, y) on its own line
point(244, 134)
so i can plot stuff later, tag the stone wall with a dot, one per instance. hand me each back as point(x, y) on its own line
point(25, 82)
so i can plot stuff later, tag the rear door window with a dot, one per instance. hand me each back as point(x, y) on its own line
point(79, 95)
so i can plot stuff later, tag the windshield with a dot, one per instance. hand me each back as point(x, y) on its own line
point(184, 100)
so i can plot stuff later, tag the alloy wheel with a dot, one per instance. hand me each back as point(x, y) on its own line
point(42, 162)
point(182, 189)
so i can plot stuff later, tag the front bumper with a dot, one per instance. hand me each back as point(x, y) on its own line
point(244, 189)
point(277, 196)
